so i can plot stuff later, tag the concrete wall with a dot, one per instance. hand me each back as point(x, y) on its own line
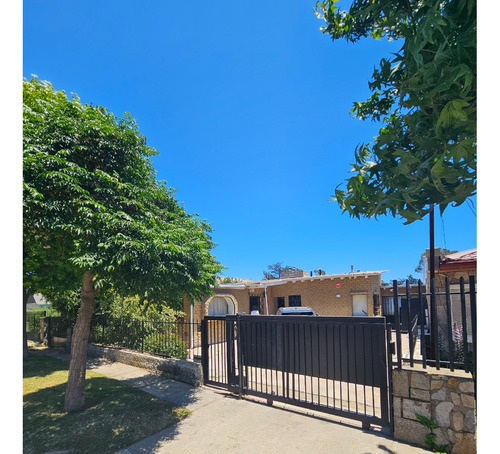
point(445, 397)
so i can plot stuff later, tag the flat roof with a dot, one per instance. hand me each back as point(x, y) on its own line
point(272, 282)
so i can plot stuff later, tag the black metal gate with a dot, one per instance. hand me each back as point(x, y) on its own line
point(337, 365)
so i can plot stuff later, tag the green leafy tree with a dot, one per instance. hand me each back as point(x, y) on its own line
point(425, 95)
point(96, 219)
point(275, 270)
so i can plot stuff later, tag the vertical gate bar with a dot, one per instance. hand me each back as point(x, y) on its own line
point(252, 355)
point(398, 323)
point(262, 349)
point(363, 329)
point(341, 346)
point(251, 359)
point(372, 337)
point(271, 347)
point(354, 326)
point(305, 359)
point(423, 343)
point(387, 416)
point(334, 367)
point(472, 290)
point(261, 354)
point(286, 359)
point(408, 320)
point(211, 352)
point(220, 352)
point(204, 349)
point(348, 369)
point(312, 360)
point(318, 343)
point(294, 345)
point(464, 324)
point(239, 335)
point(327, 365)
point(230, 353)
point(451, 342)
point(225, 347)
point(214, 347)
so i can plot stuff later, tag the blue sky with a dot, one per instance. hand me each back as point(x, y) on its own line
point(248, 104)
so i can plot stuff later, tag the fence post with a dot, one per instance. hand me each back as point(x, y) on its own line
point(49, 332)
point(472, 290)
point(434, 326)
point(398, 323)
point(451, 341)
point(463, 311)
point(408, 320)
point(142, 336)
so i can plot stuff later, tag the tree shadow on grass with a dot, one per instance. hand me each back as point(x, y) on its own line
point(114, 417)
point(40, 365)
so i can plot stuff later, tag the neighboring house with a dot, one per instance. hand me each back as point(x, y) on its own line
point(37, 301)
point(346, 294)
point(453, 266)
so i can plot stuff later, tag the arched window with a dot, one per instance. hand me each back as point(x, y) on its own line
point(220, 305)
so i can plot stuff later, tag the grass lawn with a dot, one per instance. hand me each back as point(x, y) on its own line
point(114, 417)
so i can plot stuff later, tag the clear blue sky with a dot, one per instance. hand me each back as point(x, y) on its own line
point(248, 104)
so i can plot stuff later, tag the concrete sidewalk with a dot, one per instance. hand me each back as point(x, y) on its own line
point(222, 423)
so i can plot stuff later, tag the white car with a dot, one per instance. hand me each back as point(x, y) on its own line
point(300, 310)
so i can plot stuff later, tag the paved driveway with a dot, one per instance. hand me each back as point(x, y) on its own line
point(222, 423)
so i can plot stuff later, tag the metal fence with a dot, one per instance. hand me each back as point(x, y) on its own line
point(444, 332)
point(33, 325)
point(177, 339)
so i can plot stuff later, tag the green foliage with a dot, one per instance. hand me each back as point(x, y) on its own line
point(132, 307)
point(430, 438)
point(276, 270)
point(425, 95)
point(171, 347)
point(92, 203)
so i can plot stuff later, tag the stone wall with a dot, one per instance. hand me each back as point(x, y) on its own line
point(445, 397)
point(175, 369)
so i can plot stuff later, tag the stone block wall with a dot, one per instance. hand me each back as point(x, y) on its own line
point(175, 369)
point(443, 396)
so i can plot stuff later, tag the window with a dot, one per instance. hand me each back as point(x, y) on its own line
point(280, 301)
point(388, 305)
point(294, 301)
point(255, 304)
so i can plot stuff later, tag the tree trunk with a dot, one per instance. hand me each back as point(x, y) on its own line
point(75, 389)
point(25, 336)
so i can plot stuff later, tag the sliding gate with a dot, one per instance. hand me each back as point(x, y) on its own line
point(338, 365)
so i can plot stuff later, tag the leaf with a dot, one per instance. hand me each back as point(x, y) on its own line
point(452, 113)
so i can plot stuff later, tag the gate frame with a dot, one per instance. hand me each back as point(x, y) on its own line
point(236, 381)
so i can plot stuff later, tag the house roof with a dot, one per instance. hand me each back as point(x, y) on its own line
point(273, 282)
point(464, 260)
point(464, 256)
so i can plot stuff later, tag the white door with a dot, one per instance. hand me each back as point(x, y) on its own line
point(360, 305)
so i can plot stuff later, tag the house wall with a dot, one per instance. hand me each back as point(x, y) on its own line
point(319, 294)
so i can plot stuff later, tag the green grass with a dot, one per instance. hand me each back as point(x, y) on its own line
point(114, 417)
